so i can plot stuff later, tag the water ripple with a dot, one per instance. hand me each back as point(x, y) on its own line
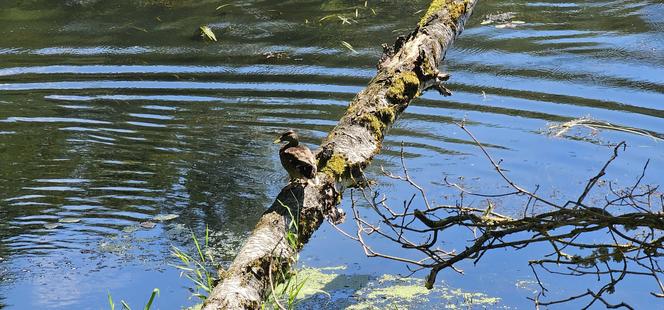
point(98, 137)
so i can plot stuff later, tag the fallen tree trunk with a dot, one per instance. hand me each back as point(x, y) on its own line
point(404, 72)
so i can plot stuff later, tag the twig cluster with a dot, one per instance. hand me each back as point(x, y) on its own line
point(629, 222)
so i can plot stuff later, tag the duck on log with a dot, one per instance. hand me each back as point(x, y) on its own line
point(405, 71)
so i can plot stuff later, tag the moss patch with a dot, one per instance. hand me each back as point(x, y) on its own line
point(404, 87)
point(455, 8)
point(428, 70)
point(434, 7)
point(387, 115)
point(379, 120)
point(373, 123)
point(335, 166)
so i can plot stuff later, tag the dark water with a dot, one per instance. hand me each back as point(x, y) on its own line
point(113, 112)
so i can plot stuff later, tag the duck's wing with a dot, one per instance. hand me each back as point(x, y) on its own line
point(301, 158)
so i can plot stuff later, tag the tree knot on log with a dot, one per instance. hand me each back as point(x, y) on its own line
point(390, 51)
point(331, 198)
point(432, 77)
point(324, 154)
point(274, 263)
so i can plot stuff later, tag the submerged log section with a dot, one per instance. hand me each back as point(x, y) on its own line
point(404, 72)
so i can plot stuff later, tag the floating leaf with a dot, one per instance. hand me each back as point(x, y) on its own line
point(206, 32)
point(222, 6)
point(165, 217)
point(326, 17)
point(559, 129)
point(498, 18)
point(51, 225)
point(277, 55)
point(130, 229)
point(508, 25)
point(344, 20)
point(348, 46)
point(69, 220)
point(148, 225)
point(139, 29)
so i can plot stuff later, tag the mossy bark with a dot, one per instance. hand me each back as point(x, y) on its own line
point(404, 72)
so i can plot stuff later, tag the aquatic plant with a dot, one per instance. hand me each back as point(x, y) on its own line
point(197, 267)
point(125, 305)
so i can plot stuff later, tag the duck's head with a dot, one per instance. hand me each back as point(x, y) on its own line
point(289, 136)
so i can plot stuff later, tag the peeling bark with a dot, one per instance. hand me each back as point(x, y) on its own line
point(405, 71)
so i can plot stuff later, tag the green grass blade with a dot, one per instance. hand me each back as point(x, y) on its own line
point(155, 292)
point(110, 301)
point(207, 236)
point(348, 46)
point(125, 306)
point(198, 247)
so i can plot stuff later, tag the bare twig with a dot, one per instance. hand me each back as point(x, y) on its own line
point(631, 216)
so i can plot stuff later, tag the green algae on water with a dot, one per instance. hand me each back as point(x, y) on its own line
point(330, 287)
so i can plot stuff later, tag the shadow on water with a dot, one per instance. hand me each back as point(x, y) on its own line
point(115, 112)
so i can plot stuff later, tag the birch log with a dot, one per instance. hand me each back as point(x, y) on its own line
point(406, 70)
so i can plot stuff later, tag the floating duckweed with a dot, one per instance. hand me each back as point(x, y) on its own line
point(324, 286)
point(406, 292)
point(316, 281)
point(331, 268)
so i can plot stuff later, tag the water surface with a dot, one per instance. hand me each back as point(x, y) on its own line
point(114, 112)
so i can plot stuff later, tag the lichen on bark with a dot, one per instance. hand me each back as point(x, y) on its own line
point(455, 9)
point(372, 123)
point(435, 6)
point(404, 87)
point(335, 166)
